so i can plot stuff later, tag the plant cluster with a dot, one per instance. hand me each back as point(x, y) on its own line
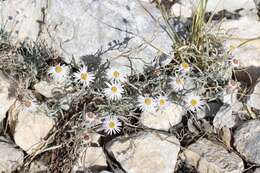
point(199, 70)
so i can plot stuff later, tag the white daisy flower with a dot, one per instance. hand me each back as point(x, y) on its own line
point(194, 102)
point(184, 67)
point(116, 75)
point(235, 62)
point(162, 102)
point(146, 104)
point(83, 76)
point(58, 72)
point(177, 84)
point(112, 125)
point(114, 91)
point(30, 105)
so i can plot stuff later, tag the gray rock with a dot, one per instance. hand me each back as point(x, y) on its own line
point(210, 110)
point(37, 167)
point(257, 170)
point(10, 158)
point(104, 24)
point(22, 18)
point(239, 31)
point(47, 89)
point(80, 28)
point(225, 117)
point(254, 99)
point(186, 7)
point(247, 140)
point(208, 157)
point(29, 127)
point(257, 3)
point(230, 97)
point(146, 152)
point(90, 157)
point(229, 5)
point(171, 117)
point(7, 95)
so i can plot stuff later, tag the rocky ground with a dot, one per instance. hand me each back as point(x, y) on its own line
point(222, 139)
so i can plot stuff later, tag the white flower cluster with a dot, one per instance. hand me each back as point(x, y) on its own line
point(192, 102)
point(114, 91)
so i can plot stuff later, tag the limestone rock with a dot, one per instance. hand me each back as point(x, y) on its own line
point(22, 18)
point(163, 120)
point(248, 54)
point(229, 97)
point(186, 7)
point(7, 96)
point(146, 152)
point(11, 157)
point(47, 88)
point(90, 157)
point(257, 3)
point(247, 140)
point(31, 128)
point(254, 99)
point(225, 117)
point(208, 157)
point(229, 5)
point(124, 27)
point(103, 24)
point(257, 170)
point(38, 167)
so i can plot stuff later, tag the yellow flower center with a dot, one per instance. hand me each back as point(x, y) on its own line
point(147, 101)
point(116, 74)
point(114, 89)
point(84, 76)
point(162, 102)
point(185, 66)
point(194, 102)
point(112, 125)
point(58, 69)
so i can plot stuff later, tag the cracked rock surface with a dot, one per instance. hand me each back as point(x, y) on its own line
point(247, 140)
point(146, 152)
point(7, 96)
point(209, 157)
point(11, 157)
